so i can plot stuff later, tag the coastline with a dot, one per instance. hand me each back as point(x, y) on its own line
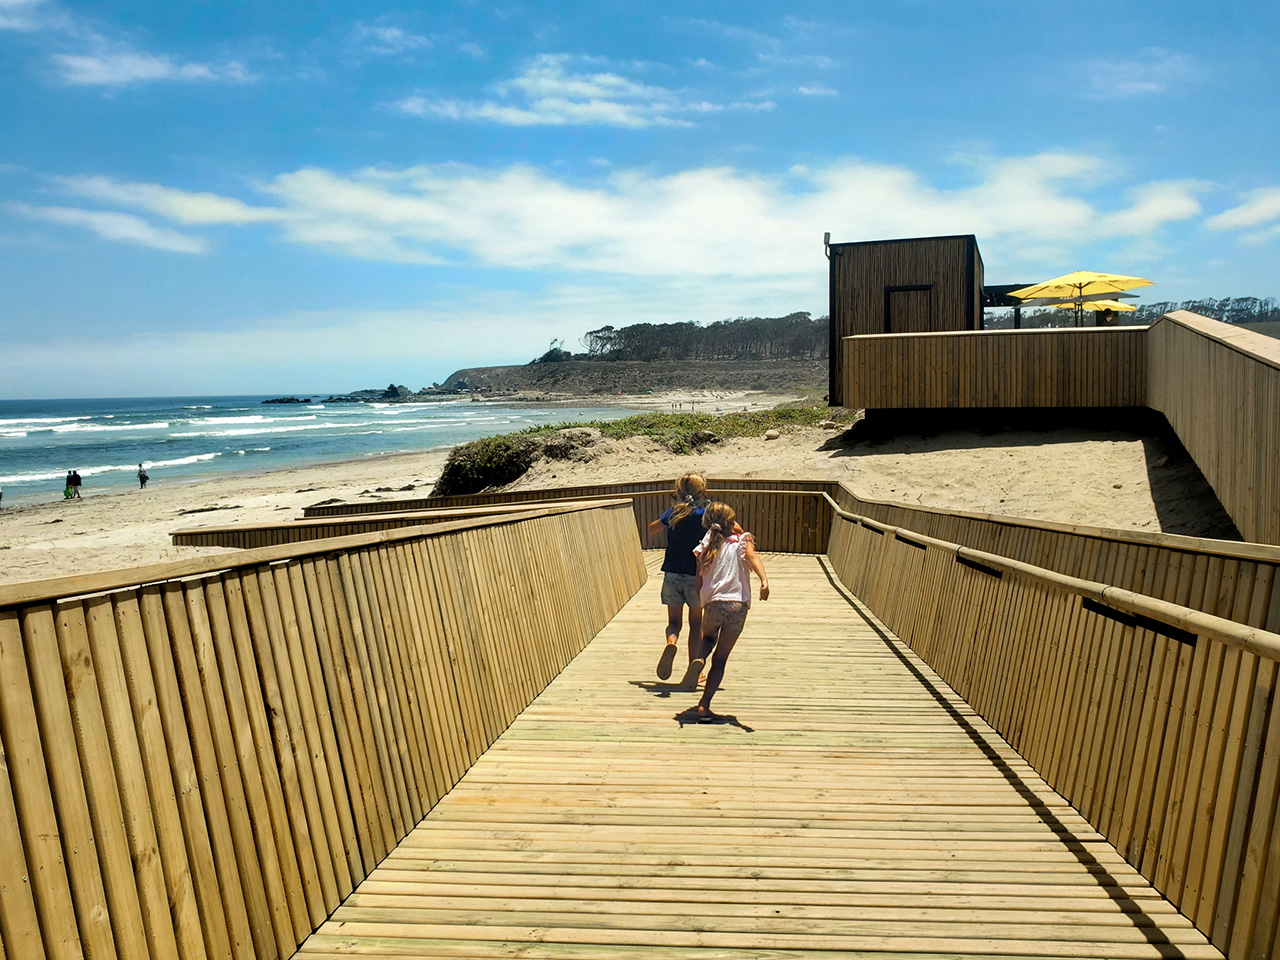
point(1071, 475)
point(129, 527)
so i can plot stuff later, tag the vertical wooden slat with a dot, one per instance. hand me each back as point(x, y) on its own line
point(20, 902)
point(53, 715)
point(159, 778)
point(98, 771)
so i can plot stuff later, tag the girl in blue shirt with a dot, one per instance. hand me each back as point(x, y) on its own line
point(683, 523)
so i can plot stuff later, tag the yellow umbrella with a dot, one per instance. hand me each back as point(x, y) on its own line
point(1115, 305)
point(1082, 283)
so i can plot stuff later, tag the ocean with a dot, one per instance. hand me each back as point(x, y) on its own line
point(191, 438)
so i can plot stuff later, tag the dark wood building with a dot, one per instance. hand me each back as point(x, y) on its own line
point(916, 285)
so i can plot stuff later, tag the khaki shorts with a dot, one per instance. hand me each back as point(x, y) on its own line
point(678, 589)
point(724, 614)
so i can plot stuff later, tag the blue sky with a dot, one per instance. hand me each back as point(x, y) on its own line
point(248, 197)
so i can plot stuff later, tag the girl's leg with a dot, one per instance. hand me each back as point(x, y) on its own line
point(699, 649)
point(675, 620)
point(724, 646)
point(695, 630)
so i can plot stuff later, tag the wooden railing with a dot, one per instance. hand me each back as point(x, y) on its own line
point(1159, 723)
point(785, 516)
point(1223, 577)
point(1214, 576)
point(201, 759)
point(1218, 386)
point(551, 493)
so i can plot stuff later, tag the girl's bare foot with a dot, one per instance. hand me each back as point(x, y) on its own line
point(666, 660)
point(690, 680)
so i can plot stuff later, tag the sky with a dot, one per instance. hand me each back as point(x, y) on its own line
point(240, 197)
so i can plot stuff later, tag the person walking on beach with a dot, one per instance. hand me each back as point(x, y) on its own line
point(726, 557)
point(683, 523)
point(68, 488)
point(75, 485)
point(142, 477)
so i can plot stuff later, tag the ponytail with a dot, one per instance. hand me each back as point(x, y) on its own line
point(718, 520)
point(690, 493)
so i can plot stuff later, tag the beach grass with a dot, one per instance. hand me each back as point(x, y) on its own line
point(499, 460)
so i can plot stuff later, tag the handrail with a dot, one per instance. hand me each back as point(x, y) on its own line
point(1262, 348)
point(33, 591)
point(1255, 640)
point(497, 508)
point(1237, 549)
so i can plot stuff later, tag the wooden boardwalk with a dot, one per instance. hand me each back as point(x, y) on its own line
point(847, 804)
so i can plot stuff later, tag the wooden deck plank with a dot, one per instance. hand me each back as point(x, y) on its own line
point(847, 803)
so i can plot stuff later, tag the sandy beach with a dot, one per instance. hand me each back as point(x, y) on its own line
point(1074, 475)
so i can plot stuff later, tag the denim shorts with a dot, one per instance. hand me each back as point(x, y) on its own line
point(678, 588)
point(730, 614)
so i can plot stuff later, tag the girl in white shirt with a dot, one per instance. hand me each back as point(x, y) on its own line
point(725, 559)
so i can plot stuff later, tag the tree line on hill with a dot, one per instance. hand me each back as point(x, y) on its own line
point(795, 336)
point(1228, 310)
point(801, 336)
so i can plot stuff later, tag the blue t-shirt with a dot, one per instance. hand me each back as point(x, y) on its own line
point(681, 539)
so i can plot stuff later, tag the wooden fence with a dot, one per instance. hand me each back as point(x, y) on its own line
point(1218, 386)
point(1157, 722)
point(1214, 576)
point(594, 490)
point(200, 760)
point(1085, 367)
point(785, 516)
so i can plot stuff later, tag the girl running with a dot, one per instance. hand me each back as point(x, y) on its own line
point(683, 523)
point(726, 556)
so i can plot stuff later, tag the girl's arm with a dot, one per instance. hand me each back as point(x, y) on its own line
point(654, 529)
point(754, 563)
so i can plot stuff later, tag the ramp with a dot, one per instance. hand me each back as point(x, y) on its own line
point(846, 804)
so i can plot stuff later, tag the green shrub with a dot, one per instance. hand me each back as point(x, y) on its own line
point(487, 462)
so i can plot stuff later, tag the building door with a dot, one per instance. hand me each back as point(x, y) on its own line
point(908, 309)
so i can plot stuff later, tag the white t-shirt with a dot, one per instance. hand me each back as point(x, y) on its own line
point(727, 576)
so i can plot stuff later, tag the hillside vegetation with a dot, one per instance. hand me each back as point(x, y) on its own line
point(586, 377)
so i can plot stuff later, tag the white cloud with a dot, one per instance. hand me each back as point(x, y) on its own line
point(382, 39)
point(708, 223)
point(816, 90)
point(22, 14)
point(1156, 204)
point(1259, 207)
point(547, 94)
point(119, 227)
point(179, 205)
point(1151, 71)
point(126, 67)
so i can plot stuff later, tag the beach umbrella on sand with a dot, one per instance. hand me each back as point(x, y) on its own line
point(1083, 285)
